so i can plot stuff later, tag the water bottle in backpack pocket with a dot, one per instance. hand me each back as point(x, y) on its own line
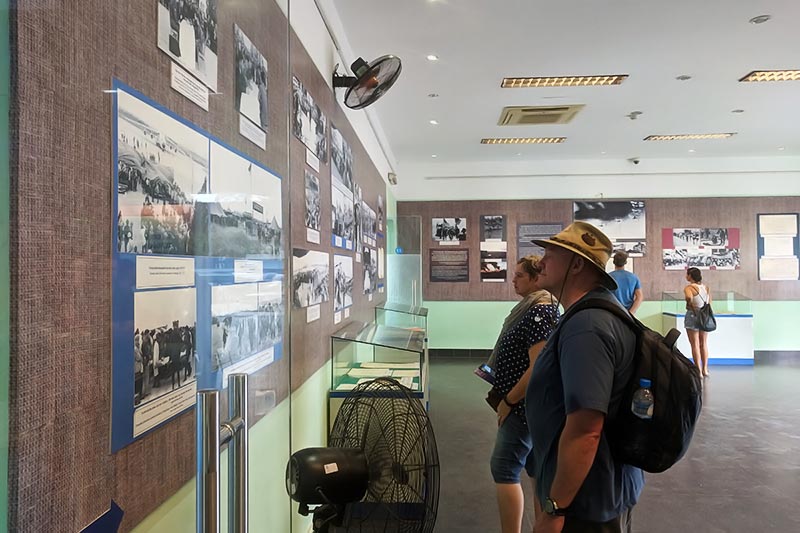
point(643, 403)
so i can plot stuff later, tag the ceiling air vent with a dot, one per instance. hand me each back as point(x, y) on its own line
point(531, 116)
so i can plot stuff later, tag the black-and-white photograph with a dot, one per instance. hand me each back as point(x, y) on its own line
point(359, 227)
point(700, 237)
point(246, 211)
point(619, 220)
point(341, 159)
point(250, 87)
point(634, 247)
point(309, 277)
point(161, 165)
point(493, 228)
point(310, 125)
point(164, 342)
point(187, 32)
point(369, 224)
point(494, 261)
point(342, 282)
point(381, 212)
point(449, 229)
point(246, 321)
point(342, 213)
point(313, 206)
point(370, 258)
point(702, 258)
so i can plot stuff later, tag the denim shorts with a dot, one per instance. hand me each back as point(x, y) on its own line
point(513, 451)
point(691, 321)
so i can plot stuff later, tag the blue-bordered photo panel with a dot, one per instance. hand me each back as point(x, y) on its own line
point(197, 224)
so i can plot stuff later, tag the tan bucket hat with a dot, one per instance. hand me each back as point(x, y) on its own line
point(587, 241)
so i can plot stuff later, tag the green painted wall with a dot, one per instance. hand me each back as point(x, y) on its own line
point(5, 279)
point(475, 325)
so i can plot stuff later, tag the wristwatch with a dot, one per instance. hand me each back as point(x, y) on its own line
point(552, 508)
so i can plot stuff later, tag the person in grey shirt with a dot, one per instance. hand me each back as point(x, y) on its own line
point(577, 381)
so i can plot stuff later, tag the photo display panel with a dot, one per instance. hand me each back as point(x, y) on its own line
point(198, 266)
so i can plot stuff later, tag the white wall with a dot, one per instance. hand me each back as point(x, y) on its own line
point(664, 178)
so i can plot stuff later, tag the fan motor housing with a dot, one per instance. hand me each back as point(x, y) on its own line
point(340, 474)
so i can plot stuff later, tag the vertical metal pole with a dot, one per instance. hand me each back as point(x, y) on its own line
point(237, 454)
point(207, 413)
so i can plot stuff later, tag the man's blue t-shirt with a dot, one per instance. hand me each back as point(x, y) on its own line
point(627, 283)
point(595, 362)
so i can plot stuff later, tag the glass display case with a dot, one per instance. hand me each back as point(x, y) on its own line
point(402, 315)
point(732, 342)
point(365, 351)
point(723, 303)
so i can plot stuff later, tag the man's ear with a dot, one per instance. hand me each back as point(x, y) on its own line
point(577, 264)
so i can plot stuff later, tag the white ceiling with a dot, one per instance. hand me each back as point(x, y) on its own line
point(481, 41)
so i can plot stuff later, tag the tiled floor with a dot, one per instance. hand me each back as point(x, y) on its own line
point(742, 473)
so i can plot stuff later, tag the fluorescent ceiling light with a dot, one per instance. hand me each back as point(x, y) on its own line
point(524, 140)
point(563, 81)
point(432, 57)
point(772, 75)
point(689, 137)
point(434, 122)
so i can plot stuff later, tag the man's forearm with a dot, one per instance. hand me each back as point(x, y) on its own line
point(576, 453)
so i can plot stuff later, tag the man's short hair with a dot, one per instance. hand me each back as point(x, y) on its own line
point(620, 258)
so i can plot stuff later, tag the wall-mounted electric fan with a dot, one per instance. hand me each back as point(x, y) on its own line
point(380, 472)
point(370, 82)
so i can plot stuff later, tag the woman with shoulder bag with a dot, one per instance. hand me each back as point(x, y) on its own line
point(697, 325)
point(523, 336)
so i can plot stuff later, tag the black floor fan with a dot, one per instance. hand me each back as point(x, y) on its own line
point(380, 472)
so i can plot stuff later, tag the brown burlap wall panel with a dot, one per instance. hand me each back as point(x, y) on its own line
point(661, 213)
point(65, 54)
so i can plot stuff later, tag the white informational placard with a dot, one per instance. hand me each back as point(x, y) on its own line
point(160, 272)
point(189, 86)
point(779, 268)
point(369, 297)
point(779, 246)
point(449, 243)
point(338, 241)
point(777, 225)
point(252, 133)
point(358, 257)
point(312, 160)
point(164, 408)
point(249, 365)
point(312, 235)
point(312, 313)
point(337, 317)
point(347, 313)
point(247, 271)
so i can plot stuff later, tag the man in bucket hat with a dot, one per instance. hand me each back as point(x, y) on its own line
point(574, 386)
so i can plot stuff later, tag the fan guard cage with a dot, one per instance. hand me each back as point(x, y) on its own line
point(382, 418)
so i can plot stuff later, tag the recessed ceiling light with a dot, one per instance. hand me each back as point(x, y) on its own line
point(692, 150)
point(772, 75)
point(602, 153)
point(689, 136)
point(563, 81)
point(524, 140)
point(432, 57)
point(781, 148)
point(683, 77)
point(520, 153)
point(738, 111)
point(433, 95)
point(434, 155)
point(434, 122)
point(761, 19)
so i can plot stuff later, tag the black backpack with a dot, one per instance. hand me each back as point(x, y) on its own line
point(656, 444)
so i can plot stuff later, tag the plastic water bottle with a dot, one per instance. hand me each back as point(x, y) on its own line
point(642, 404)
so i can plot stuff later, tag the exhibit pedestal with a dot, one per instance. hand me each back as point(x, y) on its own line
point(730, 344)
